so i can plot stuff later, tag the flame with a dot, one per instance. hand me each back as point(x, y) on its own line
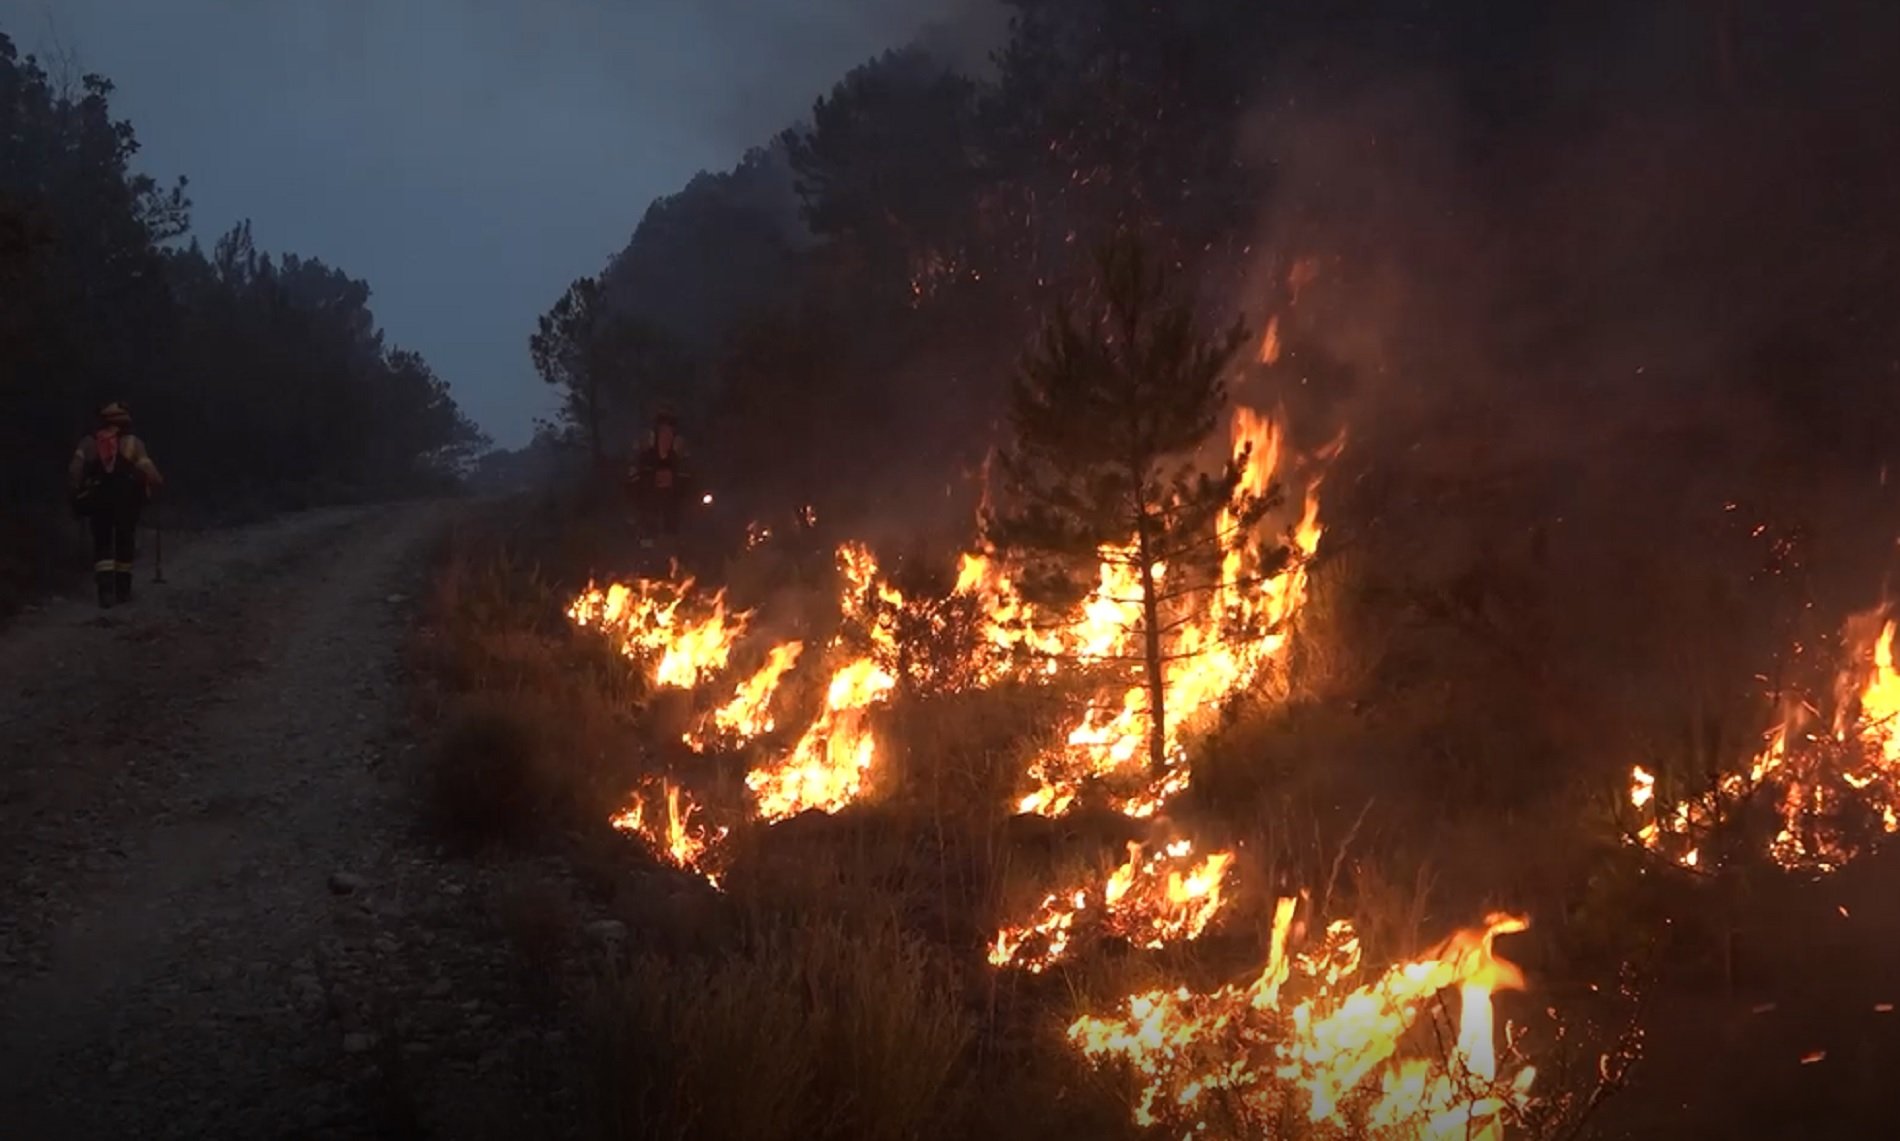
point(671, 834)
point(1335, 1054)
point(1270, 341)
point(863, 587)
point(1824, 788)
point(653, 622)
point(748, 713)
point(1168, 896)
point(1306, 1035)
point(1218, 650)
point(1219, 641)
point(826, 769)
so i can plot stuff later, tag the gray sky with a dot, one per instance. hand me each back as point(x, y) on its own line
point(468, 158)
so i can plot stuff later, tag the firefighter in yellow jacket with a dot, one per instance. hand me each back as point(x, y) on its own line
point(112, 475)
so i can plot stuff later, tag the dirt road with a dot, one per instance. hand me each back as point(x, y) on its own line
point(217, 916)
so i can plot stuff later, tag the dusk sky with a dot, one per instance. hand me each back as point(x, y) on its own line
point(468, 158)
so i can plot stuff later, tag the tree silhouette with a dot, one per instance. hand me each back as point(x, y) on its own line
point(1108, 411)
point(260, 381)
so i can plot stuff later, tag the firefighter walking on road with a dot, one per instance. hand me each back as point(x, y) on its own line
point(112, 475)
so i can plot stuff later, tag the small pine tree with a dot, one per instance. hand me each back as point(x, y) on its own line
point(1109, 412)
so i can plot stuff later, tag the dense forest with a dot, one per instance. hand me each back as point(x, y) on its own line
point(262, 381)
point(1516, 226)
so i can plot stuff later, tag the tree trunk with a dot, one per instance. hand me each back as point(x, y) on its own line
point(1151, 653)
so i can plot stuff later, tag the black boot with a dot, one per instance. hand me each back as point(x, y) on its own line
point(106, 591)
point(122, 585)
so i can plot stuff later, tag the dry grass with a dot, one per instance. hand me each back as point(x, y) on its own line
point(810, 1030)
point(837, 988)
point(537, 724)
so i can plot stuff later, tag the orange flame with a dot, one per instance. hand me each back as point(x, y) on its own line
point(748, 713)
point(1335, 1054)
point(1219, 649)
point(651, 620)
point(1820, 786)
point(1165, 898)
point(1270, 342)
point(672, 835)
point(827, 768)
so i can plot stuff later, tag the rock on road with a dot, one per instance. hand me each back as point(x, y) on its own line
point(216, 916)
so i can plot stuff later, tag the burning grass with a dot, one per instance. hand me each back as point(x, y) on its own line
point(1242, 1056)
point(939, 756)
point(810, 726)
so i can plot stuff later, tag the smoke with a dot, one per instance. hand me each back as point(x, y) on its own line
point(1605, 330)
point(1643, 243)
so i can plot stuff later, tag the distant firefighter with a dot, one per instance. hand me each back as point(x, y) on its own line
point(112, 475)
point(657, 481)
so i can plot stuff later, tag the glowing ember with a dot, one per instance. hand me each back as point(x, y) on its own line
point(748, 713)
point(1165, 898)
point(1336, 1056)
point(670, 832)
point(826, 769)
point(1830, 792)
point(654, 623)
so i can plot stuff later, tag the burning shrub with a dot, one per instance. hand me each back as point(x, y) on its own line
point(804, 1031)
point(1307, 1049)
point(923, 630)
point(1827, 795)
point(938, 644)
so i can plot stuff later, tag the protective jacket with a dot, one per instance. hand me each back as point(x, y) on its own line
point(111, 471)
point(111, 475)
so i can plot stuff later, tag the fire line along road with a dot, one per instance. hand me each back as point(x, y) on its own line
point(209, 885)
